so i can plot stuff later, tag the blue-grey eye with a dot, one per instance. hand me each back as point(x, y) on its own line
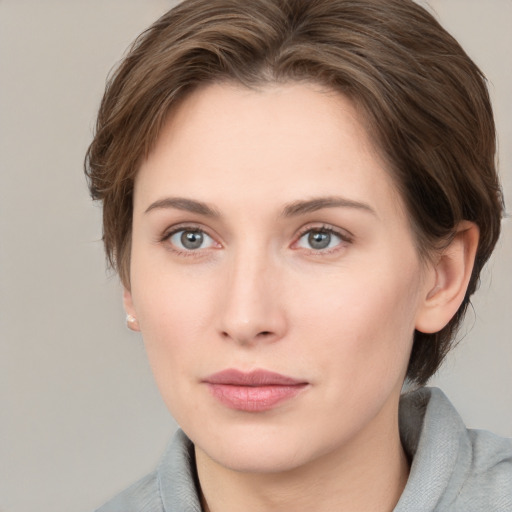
point(319, 239)
point(191, 240)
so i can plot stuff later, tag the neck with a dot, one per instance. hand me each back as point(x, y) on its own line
point(370, 474)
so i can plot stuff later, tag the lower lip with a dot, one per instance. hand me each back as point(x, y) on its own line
point(254, 398)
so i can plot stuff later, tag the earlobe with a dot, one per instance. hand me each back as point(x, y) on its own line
point(131, 318)
point(451, 274)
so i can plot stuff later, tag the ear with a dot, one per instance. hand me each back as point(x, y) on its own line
point(448, 280)
point(131, 317)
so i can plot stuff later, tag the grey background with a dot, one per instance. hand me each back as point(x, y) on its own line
point(80, 415)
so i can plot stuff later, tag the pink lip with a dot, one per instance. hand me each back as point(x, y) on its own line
point(256, 391)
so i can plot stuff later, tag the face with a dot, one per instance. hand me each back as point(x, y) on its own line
point(274, 276)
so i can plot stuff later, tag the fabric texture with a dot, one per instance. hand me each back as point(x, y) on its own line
point(453, 469)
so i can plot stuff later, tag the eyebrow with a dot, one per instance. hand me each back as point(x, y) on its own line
point(319, 203)
point(188, 205)
point(293, 209)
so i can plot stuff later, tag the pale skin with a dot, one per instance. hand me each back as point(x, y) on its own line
point(268, 234)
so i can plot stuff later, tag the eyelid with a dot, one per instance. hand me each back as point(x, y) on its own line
point(322, 226)
point(187, 226)
point(345, 236)
point(184, 226)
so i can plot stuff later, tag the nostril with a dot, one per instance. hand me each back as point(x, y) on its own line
point(246, 336)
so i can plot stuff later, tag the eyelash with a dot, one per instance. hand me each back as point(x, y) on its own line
point(345, 238)
point(342, 235)
point(184, 228)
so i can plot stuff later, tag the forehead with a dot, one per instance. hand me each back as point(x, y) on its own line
point(284, 141)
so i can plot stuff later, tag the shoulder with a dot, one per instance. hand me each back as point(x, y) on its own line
point(452, 467)
point(142, 496)
point(170, 488)
point(489, 476)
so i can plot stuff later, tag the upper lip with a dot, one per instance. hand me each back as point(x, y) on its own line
point(255, 378)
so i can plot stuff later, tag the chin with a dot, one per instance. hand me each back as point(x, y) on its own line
point(255, 459)
point(258, 449)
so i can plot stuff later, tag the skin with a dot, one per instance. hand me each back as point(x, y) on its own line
point(255, 294)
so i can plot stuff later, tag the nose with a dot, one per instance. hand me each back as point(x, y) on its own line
point(251, 306)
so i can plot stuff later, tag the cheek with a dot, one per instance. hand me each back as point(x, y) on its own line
point(172, 320)
point(364, 320)
point(172, 313)
point(165, 295)
point(173, 310)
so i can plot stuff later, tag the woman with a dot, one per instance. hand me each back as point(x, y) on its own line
point(299, 197)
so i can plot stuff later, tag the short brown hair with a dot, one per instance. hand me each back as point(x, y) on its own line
point(425, 103)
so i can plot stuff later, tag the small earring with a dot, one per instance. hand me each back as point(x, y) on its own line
point(132, 323)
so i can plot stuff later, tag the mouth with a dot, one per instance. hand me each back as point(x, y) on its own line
point(256, 391)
